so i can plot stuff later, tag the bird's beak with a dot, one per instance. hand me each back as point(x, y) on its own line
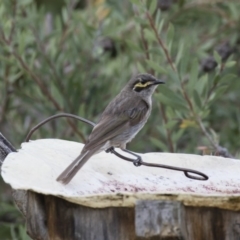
point(158, 81)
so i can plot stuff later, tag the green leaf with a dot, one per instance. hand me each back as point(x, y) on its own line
point(172, 99)
point(14, 77)
point(193, 75)
point(25, 2)
point(136, 2)
point(140, 20)
point(207, 45)
point(169, 93)
point(169, 46)
point(153, 6)
point(228, 78)
point(218, 93)
point(216, 79)
point(170, 32)
point(23, 233)
point(173, 76)
point(170, 124)
point(157, 20)
point(160, 26)
point(183, 66)
point(217, 57)
point(180, 52)
point(140, 68)
point(133, 45)
point(64, 15)
point(205, 113)
point(230, 64)
point(156, 67)
point(177, 135)
point(159, 144)
point(149, 34)
point(234, 11)
point(220, 90)
point(201, 84)
point(197, 99)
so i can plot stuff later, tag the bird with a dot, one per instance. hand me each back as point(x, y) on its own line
point(119, 123)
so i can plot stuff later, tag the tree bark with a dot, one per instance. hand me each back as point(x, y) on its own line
point(19, 196)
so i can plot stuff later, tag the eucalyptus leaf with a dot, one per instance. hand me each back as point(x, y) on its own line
point(170, 32)
point(159, 144)
point(180, 52)
point(175, 102)
point(176, 135)
point(193, 77)
point(170, 124)
point(160, 26)
point(140, 67)
point(150, 36)
point(153, 6)
point(197, 99)
point(230, 64)
point(156, 67)
point(228, 78)
point(158, 16)
point(136, 2)
point(217, 57)
point(201, 84)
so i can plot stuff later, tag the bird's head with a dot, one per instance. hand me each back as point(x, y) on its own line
point(144, 84)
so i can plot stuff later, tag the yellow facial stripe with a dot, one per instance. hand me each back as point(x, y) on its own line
point(142, 85)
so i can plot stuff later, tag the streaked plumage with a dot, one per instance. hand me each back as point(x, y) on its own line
point(122, 119)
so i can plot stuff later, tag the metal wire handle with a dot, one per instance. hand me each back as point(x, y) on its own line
point(186, 171)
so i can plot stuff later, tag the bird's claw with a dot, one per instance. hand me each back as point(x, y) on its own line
point(137, 162)
point(110, 150)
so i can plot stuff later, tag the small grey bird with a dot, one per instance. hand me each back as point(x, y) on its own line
point(122, 119)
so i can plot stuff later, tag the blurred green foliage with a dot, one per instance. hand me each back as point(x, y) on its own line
point(75, 56)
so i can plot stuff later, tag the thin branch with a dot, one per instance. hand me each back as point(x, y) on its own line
point(145, 44)
point(150, 19)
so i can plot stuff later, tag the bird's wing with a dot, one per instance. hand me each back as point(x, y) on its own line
point(114, 122)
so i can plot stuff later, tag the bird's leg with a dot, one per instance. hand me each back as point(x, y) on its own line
point(136, 162)
point(110, 150)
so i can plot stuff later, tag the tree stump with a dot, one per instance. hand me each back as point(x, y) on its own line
point(110, 199)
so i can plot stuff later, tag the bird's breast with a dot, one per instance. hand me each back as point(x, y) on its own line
point(127, 135)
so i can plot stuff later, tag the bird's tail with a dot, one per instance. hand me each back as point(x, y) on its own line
point(66, 176)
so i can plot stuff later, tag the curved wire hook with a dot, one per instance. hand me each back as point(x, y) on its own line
point(203, 177)
point(54, 117)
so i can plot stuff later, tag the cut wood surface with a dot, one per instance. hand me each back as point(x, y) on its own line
point(107, 181)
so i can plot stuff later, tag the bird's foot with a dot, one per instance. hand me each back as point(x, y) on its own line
point(110, 150)
point(137, 162)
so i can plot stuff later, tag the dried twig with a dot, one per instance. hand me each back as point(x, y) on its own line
point(161, 43)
